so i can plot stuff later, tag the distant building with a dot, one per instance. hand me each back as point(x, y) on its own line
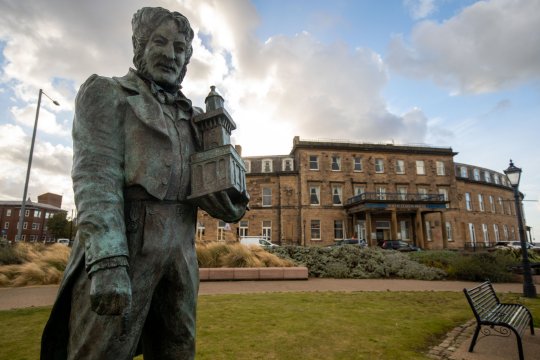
point(324, 191)
point(35, 218)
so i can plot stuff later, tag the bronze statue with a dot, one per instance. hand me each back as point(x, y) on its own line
point(133, 137)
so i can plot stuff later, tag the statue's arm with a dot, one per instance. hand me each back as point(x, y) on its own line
point(98, 181)
point(220, 206)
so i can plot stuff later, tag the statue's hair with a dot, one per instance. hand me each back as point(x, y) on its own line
point(146, 20)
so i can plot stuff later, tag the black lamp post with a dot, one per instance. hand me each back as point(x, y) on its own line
point(23, 204)
point(514, 174)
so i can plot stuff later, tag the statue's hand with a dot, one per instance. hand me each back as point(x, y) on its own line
point(110, 291)
point(220, 206)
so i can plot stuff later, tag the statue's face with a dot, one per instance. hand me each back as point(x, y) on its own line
point(165, 54)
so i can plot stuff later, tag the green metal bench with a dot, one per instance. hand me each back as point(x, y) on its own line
point(498, 318)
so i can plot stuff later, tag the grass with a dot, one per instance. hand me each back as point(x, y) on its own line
point(326, 325)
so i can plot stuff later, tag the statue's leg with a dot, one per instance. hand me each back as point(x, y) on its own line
point(93, 336)
point(169, 331)
point(100, 337)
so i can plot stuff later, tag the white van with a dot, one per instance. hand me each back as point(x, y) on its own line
point(63, 242)
point(256, 240)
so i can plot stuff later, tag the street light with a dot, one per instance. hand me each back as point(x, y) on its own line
point(514, 174)
point(23, 206)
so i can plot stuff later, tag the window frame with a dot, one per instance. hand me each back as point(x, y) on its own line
point(420, 167)
point(266, 226)
point(284, 164)
point(265, 162)
point(313, 160)
point(449, 231)
point(400, 166)
point(243, 228)
point(265, 197)
point(317, 189)
point(446, 197)
point(356, 187)
point(335, 160)
point(468, 202)
point(485, 233)
point(357, 160)
point(339, 189)
point(314, 227)
point(337, 230)
point(380, 192)
point(481, 202)
point(441, 168)
point(472, 233)
point(402, 195)
point(379, 166)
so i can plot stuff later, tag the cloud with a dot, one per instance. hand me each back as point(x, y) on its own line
point(274, 88)
point(47, 121)
point(487, 47)
point(420, 9)
point(50, 171)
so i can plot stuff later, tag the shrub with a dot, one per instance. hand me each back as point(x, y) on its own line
point(472, 266)
point(351, 261)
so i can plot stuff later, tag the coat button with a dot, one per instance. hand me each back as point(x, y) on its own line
point(164, 181)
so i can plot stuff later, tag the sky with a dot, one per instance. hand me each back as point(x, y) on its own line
point(454, 73)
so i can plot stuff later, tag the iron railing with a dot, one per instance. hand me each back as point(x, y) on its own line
point(395, 197)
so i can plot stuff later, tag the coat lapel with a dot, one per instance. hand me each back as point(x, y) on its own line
point(143, 104)
point(148, 110)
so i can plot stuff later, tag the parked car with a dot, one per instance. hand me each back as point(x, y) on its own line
point(399, 245)
point(359, 242)
point(501, 245)
point(528, 245)
point(256, 240)
point(507, 245)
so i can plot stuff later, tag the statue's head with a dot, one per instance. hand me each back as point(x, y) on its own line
point(161, 45)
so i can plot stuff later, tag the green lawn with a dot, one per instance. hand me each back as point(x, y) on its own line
point(326, 325)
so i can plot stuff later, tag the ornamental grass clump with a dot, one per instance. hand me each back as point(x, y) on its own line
point(37, 265)
point(216, 255)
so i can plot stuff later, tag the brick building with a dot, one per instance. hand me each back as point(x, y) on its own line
point(35, 218)
point(324, 191)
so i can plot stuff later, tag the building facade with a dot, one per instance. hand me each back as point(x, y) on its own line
point(325, 191)
point(35, 218)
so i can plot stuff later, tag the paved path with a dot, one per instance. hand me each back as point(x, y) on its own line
point(454, 346)
point(12, 298)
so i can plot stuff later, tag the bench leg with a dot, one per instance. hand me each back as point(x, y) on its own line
point(475, 336)
point(520, 346)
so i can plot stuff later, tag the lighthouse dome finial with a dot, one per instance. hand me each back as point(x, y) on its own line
point(214, 101)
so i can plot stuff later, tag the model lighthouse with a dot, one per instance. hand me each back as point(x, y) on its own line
point(218, 167)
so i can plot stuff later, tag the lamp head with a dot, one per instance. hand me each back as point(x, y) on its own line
point(513, 173)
